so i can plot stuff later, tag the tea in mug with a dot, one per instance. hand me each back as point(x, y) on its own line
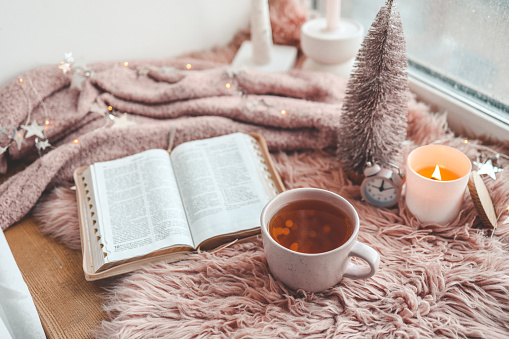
point(310, 226)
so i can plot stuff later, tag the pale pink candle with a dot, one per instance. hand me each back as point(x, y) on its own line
point(332, 12)
point(432, 200)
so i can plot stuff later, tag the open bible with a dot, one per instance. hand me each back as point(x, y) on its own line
point(160, 206)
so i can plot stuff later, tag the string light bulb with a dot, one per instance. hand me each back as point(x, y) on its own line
point(46, 122)
point(126, 63)
point(20, 80)
point(283, 112)
point(465, 141)
point(110, 108)
point(75, 141)
point(65, 67)
point(228, 85)
point(189, 66)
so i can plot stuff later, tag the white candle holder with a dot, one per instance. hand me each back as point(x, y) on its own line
point(433, 201)
point(260, 53)
point(331, 49)
point(281, 58)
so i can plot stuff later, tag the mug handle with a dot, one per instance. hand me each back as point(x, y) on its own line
point(366, 253)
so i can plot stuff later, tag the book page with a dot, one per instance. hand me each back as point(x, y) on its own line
point(221, 185)
point(139, 206)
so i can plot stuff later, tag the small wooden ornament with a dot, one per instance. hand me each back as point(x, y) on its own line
point(482, 200)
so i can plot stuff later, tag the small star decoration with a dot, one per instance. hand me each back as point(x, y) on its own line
point(122, 121)
point(68, 57)
point(233, 72)
point(143, 71)
point(489, 167)
point(65, 65)
point(18, 138)
point(33, 129)
point(42, 144)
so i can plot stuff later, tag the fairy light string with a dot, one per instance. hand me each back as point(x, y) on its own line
point(232, 75)
point(67, 66)
point(78, 74)
point(486, 148)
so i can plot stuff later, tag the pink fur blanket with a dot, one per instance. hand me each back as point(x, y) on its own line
point(434, 281)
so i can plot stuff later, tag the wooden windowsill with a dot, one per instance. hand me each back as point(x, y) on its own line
point(68, 305)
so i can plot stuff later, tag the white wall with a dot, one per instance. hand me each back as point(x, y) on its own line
point(39, 32)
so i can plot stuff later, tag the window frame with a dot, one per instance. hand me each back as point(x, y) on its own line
point(470, 112)
point(464, 117)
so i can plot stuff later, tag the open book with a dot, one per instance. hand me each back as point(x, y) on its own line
point(160, 206)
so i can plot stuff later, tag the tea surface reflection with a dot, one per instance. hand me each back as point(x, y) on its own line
point(310, 226)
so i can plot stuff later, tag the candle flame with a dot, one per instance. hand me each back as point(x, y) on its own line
point(436, 174)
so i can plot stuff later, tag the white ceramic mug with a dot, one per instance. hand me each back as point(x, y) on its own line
point(316, 272)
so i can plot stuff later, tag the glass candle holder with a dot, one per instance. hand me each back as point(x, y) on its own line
point(436, 179)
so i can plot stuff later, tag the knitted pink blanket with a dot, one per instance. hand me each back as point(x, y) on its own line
point(297, 110)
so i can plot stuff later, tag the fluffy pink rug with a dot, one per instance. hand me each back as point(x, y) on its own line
point(434, 281)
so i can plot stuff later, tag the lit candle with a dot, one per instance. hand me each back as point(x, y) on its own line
point(436, 173)
point(437, 177)
point(439, 173)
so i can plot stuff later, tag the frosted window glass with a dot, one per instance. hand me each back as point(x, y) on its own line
point(463, 43)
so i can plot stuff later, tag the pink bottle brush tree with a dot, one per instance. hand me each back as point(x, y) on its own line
point(374, 112)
